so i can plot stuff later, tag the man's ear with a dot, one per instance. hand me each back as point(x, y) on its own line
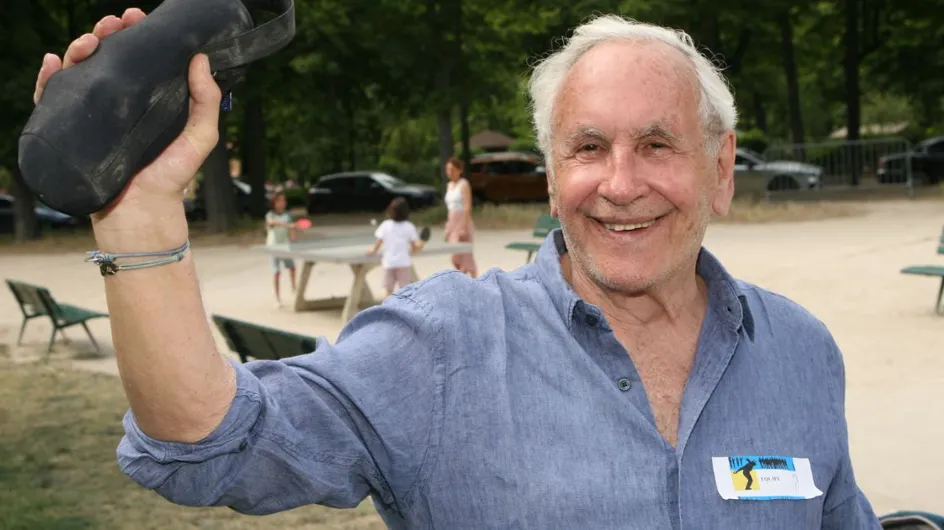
point(551, 196)
point(723, 174)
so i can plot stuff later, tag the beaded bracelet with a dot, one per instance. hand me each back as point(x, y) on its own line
point(108, 267)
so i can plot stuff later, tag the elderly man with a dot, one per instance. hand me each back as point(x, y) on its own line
point(624, 380)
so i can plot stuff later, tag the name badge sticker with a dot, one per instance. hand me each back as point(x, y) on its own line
point(764, 478)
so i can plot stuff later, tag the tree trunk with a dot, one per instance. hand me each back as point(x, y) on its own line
point(351, 139)
point(793, 83)
point(25, 224)
point(444, 124)
point(218, 188)
point(337, 153)
point(851, 67)
point(464, 83)
point(760, 113)
point(464, 133)
point(71, 32)
point(254, 153)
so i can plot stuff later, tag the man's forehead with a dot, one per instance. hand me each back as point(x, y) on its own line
point(635, 53)
point(636, 83)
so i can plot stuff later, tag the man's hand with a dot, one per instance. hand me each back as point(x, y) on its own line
point(156, 193)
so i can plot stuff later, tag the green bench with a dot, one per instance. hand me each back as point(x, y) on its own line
point(935, 271)
point(36, 301)
point(262, 342)
point(544, 225)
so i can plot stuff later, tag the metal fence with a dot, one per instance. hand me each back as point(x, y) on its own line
point(839, 165)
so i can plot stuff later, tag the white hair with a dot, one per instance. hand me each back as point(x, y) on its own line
point(716, 105)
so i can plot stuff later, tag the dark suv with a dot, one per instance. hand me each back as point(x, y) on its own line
point(366, 191)
point(508, 177)
point(927, 164)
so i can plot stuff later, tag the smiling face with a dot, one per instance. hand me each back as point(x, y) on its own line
point(633, 184)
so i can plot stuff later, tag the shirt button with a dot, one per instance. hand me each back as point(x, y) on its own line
point(624, 384)
point(592, 320)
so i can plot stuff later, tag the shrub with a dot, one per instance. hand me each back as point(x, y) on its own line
point(753, 139)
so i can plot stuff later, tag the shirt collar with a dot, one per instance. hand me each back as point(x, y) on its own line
point(725, 295)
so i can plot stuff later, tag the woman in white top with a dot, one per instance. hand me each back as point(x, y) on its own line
point(459, 225)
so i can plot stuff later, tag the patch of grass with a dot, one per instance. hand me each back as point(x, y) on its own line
point(246, 231)
point(522, 216)
point(487, 216)
point(753, 211)
point(58, 471)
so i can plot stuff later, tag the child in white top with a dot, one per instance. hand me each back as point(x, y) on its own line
point(399, 239)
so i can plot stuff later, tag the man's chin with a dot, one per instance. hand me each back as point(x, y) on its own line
point(623, 281)
point(622, 275)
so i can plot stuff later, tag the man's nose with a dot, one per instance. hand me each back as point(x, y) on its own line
point(623, 182)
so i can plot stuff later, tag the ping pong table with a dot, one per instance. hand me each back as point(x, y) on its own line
point(350, 251)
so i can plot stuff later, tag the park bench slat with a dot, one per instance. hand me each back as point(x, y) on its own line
point(544, 225)
point(924, 270)
point(523, 246)
point(260, 342)
point(934, 271)
point(75, 314)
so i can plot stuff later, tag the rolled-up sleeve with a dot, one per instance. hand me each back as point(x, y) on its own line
point(330, 428)
point(846, 506)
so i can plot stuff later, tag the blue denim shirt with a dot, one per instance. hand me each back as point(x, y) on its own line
point(507, 402)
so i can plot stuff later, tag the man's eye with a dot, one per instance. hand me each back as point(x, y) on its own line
point(589, 148)
point(658, 145)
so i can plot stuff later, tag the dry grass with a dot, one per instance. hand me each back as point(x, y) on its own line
point(491, 217)
point(750, 211)
point(488, 216)
point(58, 433)
point(246, 232)
point(80, 239)
point(522, 216)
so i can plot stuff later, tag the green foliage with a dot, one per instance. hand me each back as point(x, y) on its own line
point(296, 197)
point(753, 139)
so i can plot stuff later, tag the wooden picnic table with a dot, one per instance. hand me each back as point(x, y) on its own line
point(350, 251)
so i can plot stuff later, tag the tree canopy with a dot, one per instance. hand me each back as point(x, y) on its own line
point(401, 84)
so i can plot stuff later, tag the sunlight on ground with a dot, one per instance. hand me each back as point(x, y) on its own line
point(487, 217)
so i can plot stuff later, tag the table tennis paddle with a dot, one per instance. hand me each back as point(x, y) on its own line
point(424, 233)
point(303, 224)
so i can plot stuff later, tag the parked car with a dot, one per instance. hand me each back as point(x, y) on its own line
point(753, 173)
point(927, 164)
point(508, 177)
point(45, 216)
point(366, 191)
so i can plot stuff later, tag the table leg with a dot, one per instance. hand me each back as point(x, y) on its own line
point(358, 291)
point(367, 296)
point(300, 302)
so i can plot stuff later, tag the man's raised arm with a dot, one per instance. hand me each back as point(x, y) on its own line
point(265, 436)
point(178, 384)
